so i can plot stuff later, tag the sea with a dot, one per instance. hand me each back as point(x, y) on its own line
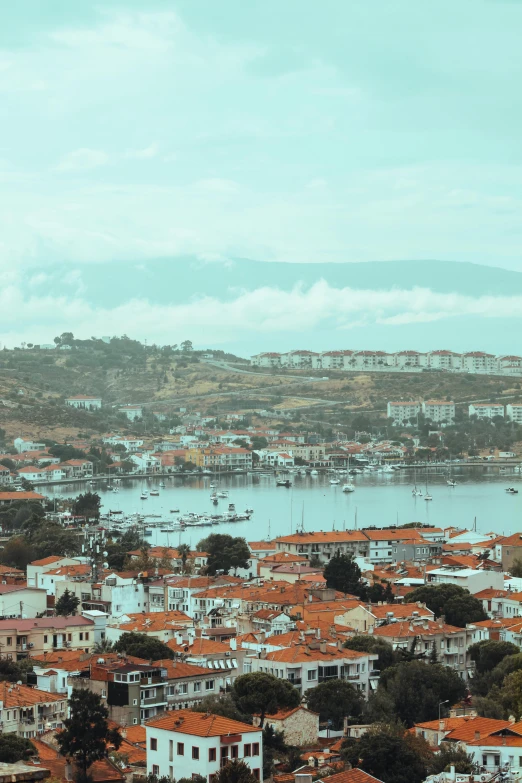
point(380, 499)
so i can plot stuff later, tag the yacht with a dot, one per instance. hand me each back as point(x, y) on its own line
point(283, 483)
point(314, 472)
point(349, 487)
point(154, 492)
point(162, 484)
point(512, 491)
point(451, 483)
point(144, 496)
point(335, 481)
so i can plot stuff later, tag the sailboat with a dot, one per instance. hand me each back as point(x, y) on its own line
point(427, 496)
point(415, 492)
point(450, 481)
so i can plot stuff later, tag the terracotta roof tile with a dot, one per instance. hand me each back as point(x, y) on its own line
point(200, 724)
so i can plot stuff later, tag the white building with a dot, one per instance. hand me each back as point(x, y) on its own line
point(266, 360)
point(514, 412)
point(469, 578)
point(439, 411)
point(403, 412)
point(22, 445)
point(298, 359)
point(84, 402)
point(486, 410)
point(480, 362)
point(130, 444)
point(182, 743)
point(21, 601)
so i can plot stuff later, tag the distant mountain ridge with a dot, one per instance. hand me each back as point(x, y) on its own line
point(179, 280)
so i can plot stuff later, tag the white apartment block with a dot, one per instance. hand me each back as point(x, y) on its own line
point(440, 411)
point(403, 412)
point(486, 410)
point(182, 743)
point(514, 412)
point(84, 402)
point(402, 361)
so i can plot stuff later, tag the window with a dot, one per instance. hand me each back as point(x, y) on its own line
point(496, 760)
point(69, 637)
point(234, 751)
point(134, 721)
point(312, 674)
point(183, 687)
point(45, 640)
point(87, 636)
point(181, 749)
point(155, 769)
point(211, 754)
point(104, 694)
point(81, 636)
point(247, 750)
point(255, 773)
point(255, 749)
point(195, 752)
point(209, 685)
point(153, 743)
point(134, 702)
point(197, 687)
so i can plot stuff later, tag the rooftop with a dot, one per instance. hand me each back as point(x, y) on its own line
point(200, 724)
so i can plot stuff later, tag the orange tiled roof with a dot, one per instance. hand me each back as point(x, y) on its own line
point(199, 646)
point(303, 652)
point(324, 537)
point(180, 669)
point(14, 695)
point(45, 560)
point(156, 621)
point(406, 629)
point(353, 776)
point(200, 724)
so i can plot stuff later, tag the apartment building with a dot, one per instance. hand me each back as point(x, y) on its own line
point(28, 712)
point(21, 601)
point(403, 412)
point(439, 411)
point(480, 362)
point(486, 410)
point(444, 360)
point(266, 360)
point(220, 457)
point(514, 412)
point(183, 743)
point(325, 544)
point(384, 542)
point(84, 402)
point(22, 638)
point(308, 665)
point(310, 453)
point(450, 643)
point(470, 579)
point(132, 692)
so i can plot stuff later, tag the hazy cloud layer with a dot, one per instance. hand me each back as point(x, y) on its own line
point(260, 313)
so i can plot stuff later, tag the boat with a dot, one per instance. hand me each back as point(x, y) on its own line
point(144, 496)
point(212, 484)
point(231, 507)
point(451, 483)
point(154, 492)
point(222, 494)
point(427, 495)
point(174, 510)
point(512, 491)
point(283, 483)
point(162, 484)
point(314, 472)
point(249, 510)
point(349, 487)
point(335, 481)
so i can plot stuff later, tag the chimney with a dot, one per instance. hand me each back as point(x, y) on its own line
point(198, 633)
point(322, 647)
point(477, 735)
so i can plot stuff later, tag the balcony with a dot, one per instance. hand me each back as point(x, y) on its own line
point(295, 680)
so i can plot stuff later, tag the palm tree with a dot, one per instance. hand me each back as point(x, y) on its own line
point(103, 646)
point(183, 552)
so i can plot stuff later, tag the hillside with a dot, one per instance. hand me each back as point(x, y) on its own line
point(35, 384)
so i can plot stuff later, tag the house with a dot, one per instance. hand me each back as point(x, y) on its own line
point(514, 412)
point(271, 621)
point(22, 601)
point(184, 743)
point(364, 618)
point(470, 579)
point(22, 638)
point(6, 498)
point(27, 712)
point(458, 729)
point(351, 776)
point(508, 549)
point(132, 692)
point(299, 725)
point(84, 402)
point(159, 625)
point(37, 568)
point(307, 665)
point(325, 544)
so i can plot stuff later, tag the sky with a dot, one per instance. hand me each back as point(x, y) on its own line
point(286, 132)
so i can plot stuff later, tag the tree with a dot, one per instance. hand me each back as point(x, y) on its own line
point(342, 573)
point(376, 645)
point(87, 505)
point(17, 552)
point(448, 757)
point(8, 463)
point(457, 605)
point(139, 645)
point(186, 346)
point(235, 771)
point(510, 695)
point(12, 671)
point(389, 754)
point(13, 749)
point(183, 552)
point(221, 705)
point(488, 654)
point(103, 646)
point(86, 733)
point(335, 700)
point(258, 442)
point(67, 604)
point(224, 552)
point(261, 694)
point(416, 689)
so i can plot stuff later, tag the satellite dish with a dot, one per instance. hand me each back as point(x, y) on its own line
point(105, 554)
point(105, 565)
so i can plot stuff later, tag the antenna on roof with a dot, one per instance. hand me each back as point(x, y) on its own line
point(475, 525)
point(355, 528)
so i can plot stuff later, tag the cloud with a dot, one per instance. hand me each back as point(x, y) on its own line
point(147, 152)
point(262, 312)
point(83, 159)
